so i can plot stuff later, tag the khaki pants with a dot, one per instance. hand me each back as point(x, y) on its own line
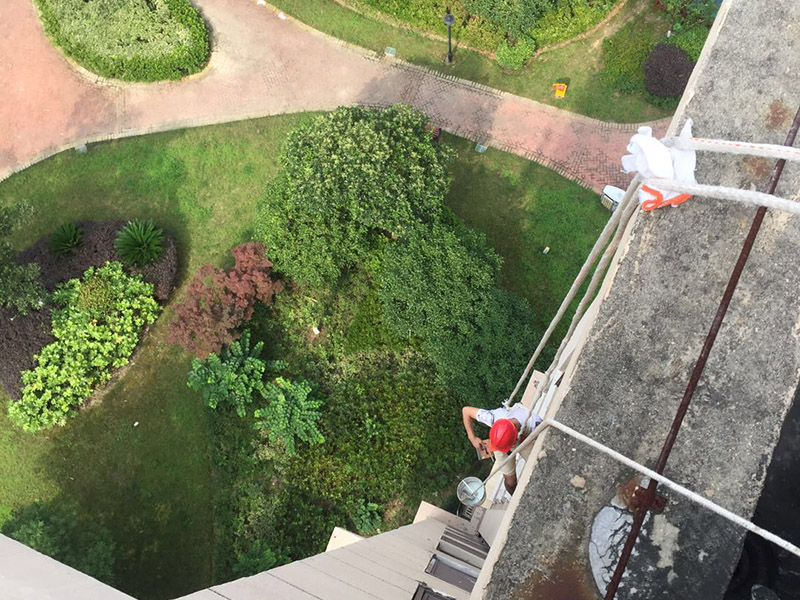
point(510, 467)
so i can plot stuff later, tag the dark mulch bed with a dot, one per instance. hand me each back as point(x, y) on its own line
point(22, 337)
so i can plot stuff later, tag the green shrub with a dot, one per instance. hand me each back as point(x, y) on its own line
point(291, 414)
point(92, 338)
point(352, 180)
point(691, 41)
point(230, 379)
point(139, 243)
point(20, 288)
point(624, 55)
point(514, 56)
point(54, 529)
point(688, 14)
point(65, 239)
point(134, 40)
point(366, 518)
point(257, 559)
point(568, 19)
point(514, 16)
point(441, 286)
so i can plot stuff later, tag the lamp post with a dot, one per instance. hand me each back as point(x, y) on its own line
point(449, 20)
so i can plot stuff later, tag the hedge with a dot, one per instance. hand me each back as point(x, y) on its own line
point(132, 40)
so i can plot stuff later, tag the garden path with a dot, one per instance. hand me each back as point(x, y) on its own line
point(263, 65)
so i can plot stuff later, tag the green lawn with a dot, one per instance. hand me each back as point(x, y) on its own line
point(581, 61)
point(151, 484)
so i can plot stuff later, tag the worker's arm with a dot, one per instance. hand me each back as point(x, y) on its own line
point(470, 414)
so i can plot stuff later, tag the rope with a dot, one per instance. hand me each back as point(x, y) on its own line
point(777, 151)
point(723, 193)
point(609, 228)
point(625, 210)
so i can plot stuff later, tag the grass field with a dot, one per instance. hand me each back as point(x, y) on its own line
point(151, 484)
point(581, 61)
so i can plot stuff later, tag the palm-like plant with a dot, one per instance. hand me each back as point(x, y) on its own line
point(139, 243)
point(65, 239)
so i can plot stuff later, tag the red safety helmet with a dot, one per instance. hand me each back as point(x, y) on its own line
point(502, 436)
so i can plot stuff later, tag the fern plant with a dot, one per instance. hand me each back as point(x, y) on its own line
point(231, 378)
point(291, 414)
point(65, 239)
point(139, 243)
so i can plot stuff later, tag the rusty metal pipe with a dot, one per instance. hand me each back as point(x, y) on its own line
point(636, 526)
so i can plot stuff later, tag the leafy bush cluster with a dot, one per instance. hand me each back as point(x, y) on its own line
point(291, 414)
point(54, 529)
point(134, 40)
point(139, 243)
point(687, 14)
point(514, 16)
point(20, 288)
point(351, 180)
point(231, 378)
point(667, 71)
point(218, 302)
point(96, 323)
point(514, 55)
point(65, 239)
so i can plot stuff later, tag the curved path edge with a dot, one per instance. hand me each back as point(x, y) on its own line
point(264, 65)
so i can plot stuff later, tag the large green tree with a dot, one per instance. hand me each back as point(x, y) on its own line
point(351, 180)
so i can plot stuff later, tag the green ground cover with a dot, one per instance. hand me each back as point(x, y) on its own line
point(151, 484)
point(134, 40)
point(581, 61)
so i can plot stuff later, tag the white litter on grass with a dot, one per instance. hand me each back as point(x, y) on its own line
point(136, 424)
point(281, 16)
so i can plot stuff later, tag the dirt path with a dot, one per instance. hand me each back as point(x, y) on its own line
point(263, 65)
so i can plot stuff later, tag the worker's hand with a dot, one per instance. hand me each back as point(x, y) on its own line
point(476, 442)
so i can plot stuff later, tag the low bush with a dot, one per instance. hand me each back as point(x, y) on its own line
point(291, 414)
point(687, 14)
point(691, 41)
point(139, 243)
point(218, 302)
point(54, 529)
point(65, 239)
point(134, 40)
point(514, 16)
point(92, 338)
point(515, 55)
point(232, 378)
point(624, 56)
point(20, 288)
point(667, 71)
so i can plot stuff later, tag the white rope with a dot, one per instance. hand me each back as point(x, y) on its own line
point(601, 242)
point(776, 151)
point(724, 193)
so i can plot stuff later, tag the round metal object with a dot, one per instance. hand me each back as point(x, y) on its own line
point(449, 20)
point(471, 491)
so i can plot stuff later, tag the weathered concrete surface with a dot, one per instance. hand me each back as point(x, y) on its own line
point(635, 366)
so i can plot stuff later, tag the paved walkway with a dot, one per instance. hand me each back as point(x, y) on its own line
point(263, 65)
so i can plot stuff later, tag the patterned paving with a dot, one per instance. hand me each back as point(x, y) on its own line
point(263, 65)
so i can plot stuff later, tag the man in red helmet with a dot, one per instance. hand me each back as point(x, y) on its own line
point(506, 429)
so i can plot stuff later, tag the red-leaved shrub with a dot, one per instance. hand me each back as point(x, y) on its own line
point(218, 302)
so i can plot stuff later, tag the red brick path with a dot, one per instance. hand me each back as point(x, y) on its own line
point(263, 65)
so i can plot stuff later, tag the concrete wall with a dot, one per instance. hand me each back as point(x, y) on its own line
point(28, 575)
point(634, 367)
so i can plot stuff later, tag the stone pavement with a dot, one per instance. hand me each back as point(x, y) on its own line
point(263, 65)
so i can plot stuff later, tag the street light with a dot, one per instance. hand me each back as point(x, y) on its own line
point(449, 20)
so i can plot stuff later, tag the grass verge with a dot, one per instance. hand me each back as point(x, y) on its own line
point(580, 61)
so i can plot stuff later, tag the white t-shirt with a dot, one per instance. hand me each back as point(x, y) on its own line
point(518, 412)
